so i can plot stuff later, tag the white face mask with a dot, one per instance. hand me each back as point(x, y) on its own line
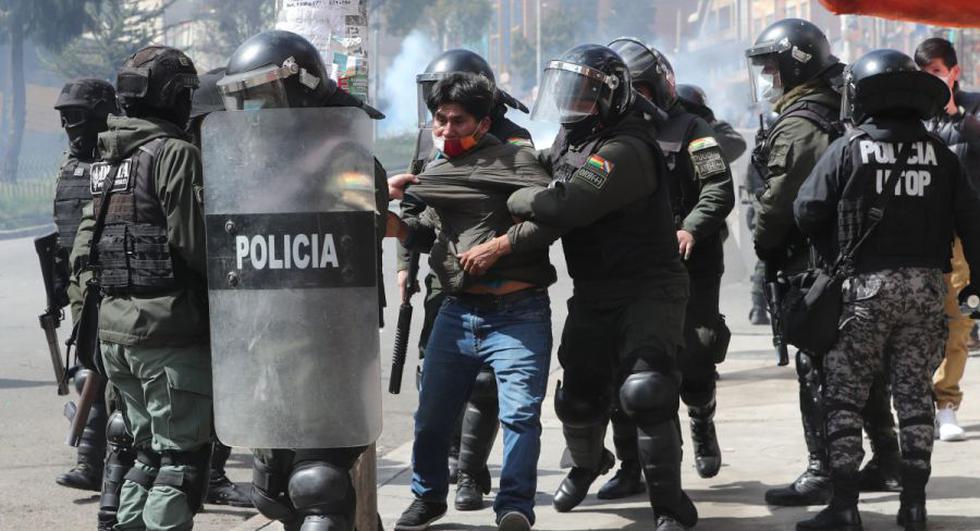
point(438, 142)
point(769, 88)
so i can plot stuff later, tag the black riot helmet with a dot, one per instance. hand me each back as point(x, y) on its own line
point(460, 60)
point(787, 54)
point(888, 81)
point(693, 94)
point(85, 104)
point(648, 67)
point(276, 69)
point(157, 81)
point(588, 81)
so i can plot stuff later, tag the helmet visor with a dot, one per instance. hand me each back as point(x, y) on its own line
point(257, 89)
point(569, 93)
point(73, 116)
point(424, 89)
point(764, 78)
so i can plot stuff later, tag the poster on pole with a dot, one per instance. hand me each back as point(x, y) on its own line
point(339, 30)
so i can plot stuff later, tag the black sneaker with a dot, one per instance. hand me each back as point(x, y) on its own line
point(513, 521)
point(420, 515)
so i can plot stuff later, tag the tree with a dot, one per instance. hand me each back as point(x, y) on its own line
point(466, 20)
point(570, 22)
point(233, 22)
point(50, 23)
point(122, 27)
point(523, 63)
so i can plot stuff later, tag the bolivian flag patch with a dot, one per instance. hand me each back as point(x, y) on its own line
point(520, 142)
point(595, 171)
point(600, 164)
point(706, 157)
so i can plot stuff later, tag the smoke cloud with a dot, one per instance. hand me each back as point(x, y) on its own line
point(398, 89)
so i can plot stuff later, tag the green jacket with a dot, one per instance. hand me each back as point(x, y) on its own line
point(467, 205)
point(795, 144)
point(178, 317)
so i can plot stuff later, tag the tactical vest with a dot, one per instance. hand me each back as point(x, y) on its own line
point(825, 118)
point(918, 222)
point(684, 187)
point(70, 197)
point(134, 253)
point(635, 241)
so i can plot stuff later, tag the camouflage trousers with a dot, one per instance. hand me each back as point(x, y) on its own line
point(892, 322)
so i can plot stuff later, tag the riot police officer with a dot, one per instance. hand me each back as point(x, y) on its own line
point(791, 66)
point(702, 195)
point(145, 238)
point(695, 101)
point(610, 193)
point(478, 425)
point(84, 105)
point(884, 202)
point(304, 488)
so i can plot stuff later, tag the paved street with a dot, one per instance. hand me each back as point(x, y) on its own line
point(758, 426)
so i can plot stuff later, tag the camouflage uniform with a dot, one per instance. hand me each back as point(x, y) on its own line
point(892, 321)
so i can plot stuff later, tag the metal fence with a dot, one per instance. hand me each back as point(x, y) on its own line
point(26, 203)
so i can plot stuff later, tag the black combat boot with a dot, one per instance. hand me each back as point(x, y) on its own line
point(575, 486)
point(882, 473)
point(842, 513)
point(221, 490)
point(912, 511)
point(627, 482)
point(707, 454)
point(470, 489)
point(87, 473)
point(813, 487)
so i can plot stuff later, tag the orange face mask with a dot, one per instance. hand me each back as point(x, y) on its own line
point(454, 147)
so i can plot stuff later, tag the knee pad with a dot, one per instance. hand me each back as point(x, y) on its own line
point(650, 397)
point(119, 461)
point(191, 479)
point(485, 386)
point(579, 410)
point(268, 492)
point(321, 488)
point(141, 477)
point(80, 376)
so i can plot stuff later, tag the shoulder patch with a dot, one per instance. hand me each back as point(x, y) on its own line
point(121, 180)
point(522, 142)
point(701, 143)
point(595, 171)
point(706, 157)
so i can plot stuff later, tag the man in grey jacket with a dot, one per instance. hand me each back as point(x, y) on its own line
point(497, 312)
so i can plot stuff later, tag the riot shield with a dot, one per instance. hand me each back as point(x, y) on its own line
point(291, 244)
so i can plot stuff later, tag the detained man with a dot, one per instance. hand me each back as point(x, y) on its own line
point(496, 312)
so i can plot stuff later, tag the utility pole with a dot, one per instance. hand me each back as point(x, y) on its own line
point(341, 34)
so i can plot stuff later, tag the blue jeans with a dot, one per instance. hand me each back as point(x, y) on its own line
point(513, 335)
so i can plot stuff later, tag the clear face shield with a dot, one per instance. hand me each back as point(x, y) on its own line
point(424, 89)
point(764, 78)
point(262, 88)
point(570, 93)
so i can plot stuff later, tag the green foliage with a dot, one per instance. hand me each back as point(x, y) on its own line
point(461, 21)
point(122, 27)
point(523, 63)
point(51, 23)
point(232, 22)
point(563, 26)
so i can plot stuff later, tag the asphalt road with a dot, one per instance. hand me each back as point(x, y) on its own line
point(32, 428)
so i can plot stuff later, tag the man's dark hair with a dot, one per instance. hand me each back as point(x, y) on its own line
point(935, 48)
point(473, 92)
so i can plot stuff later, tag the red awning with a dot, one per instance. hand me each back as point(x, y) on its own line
point(957, 13)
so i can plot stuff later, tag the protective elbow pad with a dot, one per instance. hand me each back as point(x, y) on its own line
point(650, 397)
point(580, 411)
